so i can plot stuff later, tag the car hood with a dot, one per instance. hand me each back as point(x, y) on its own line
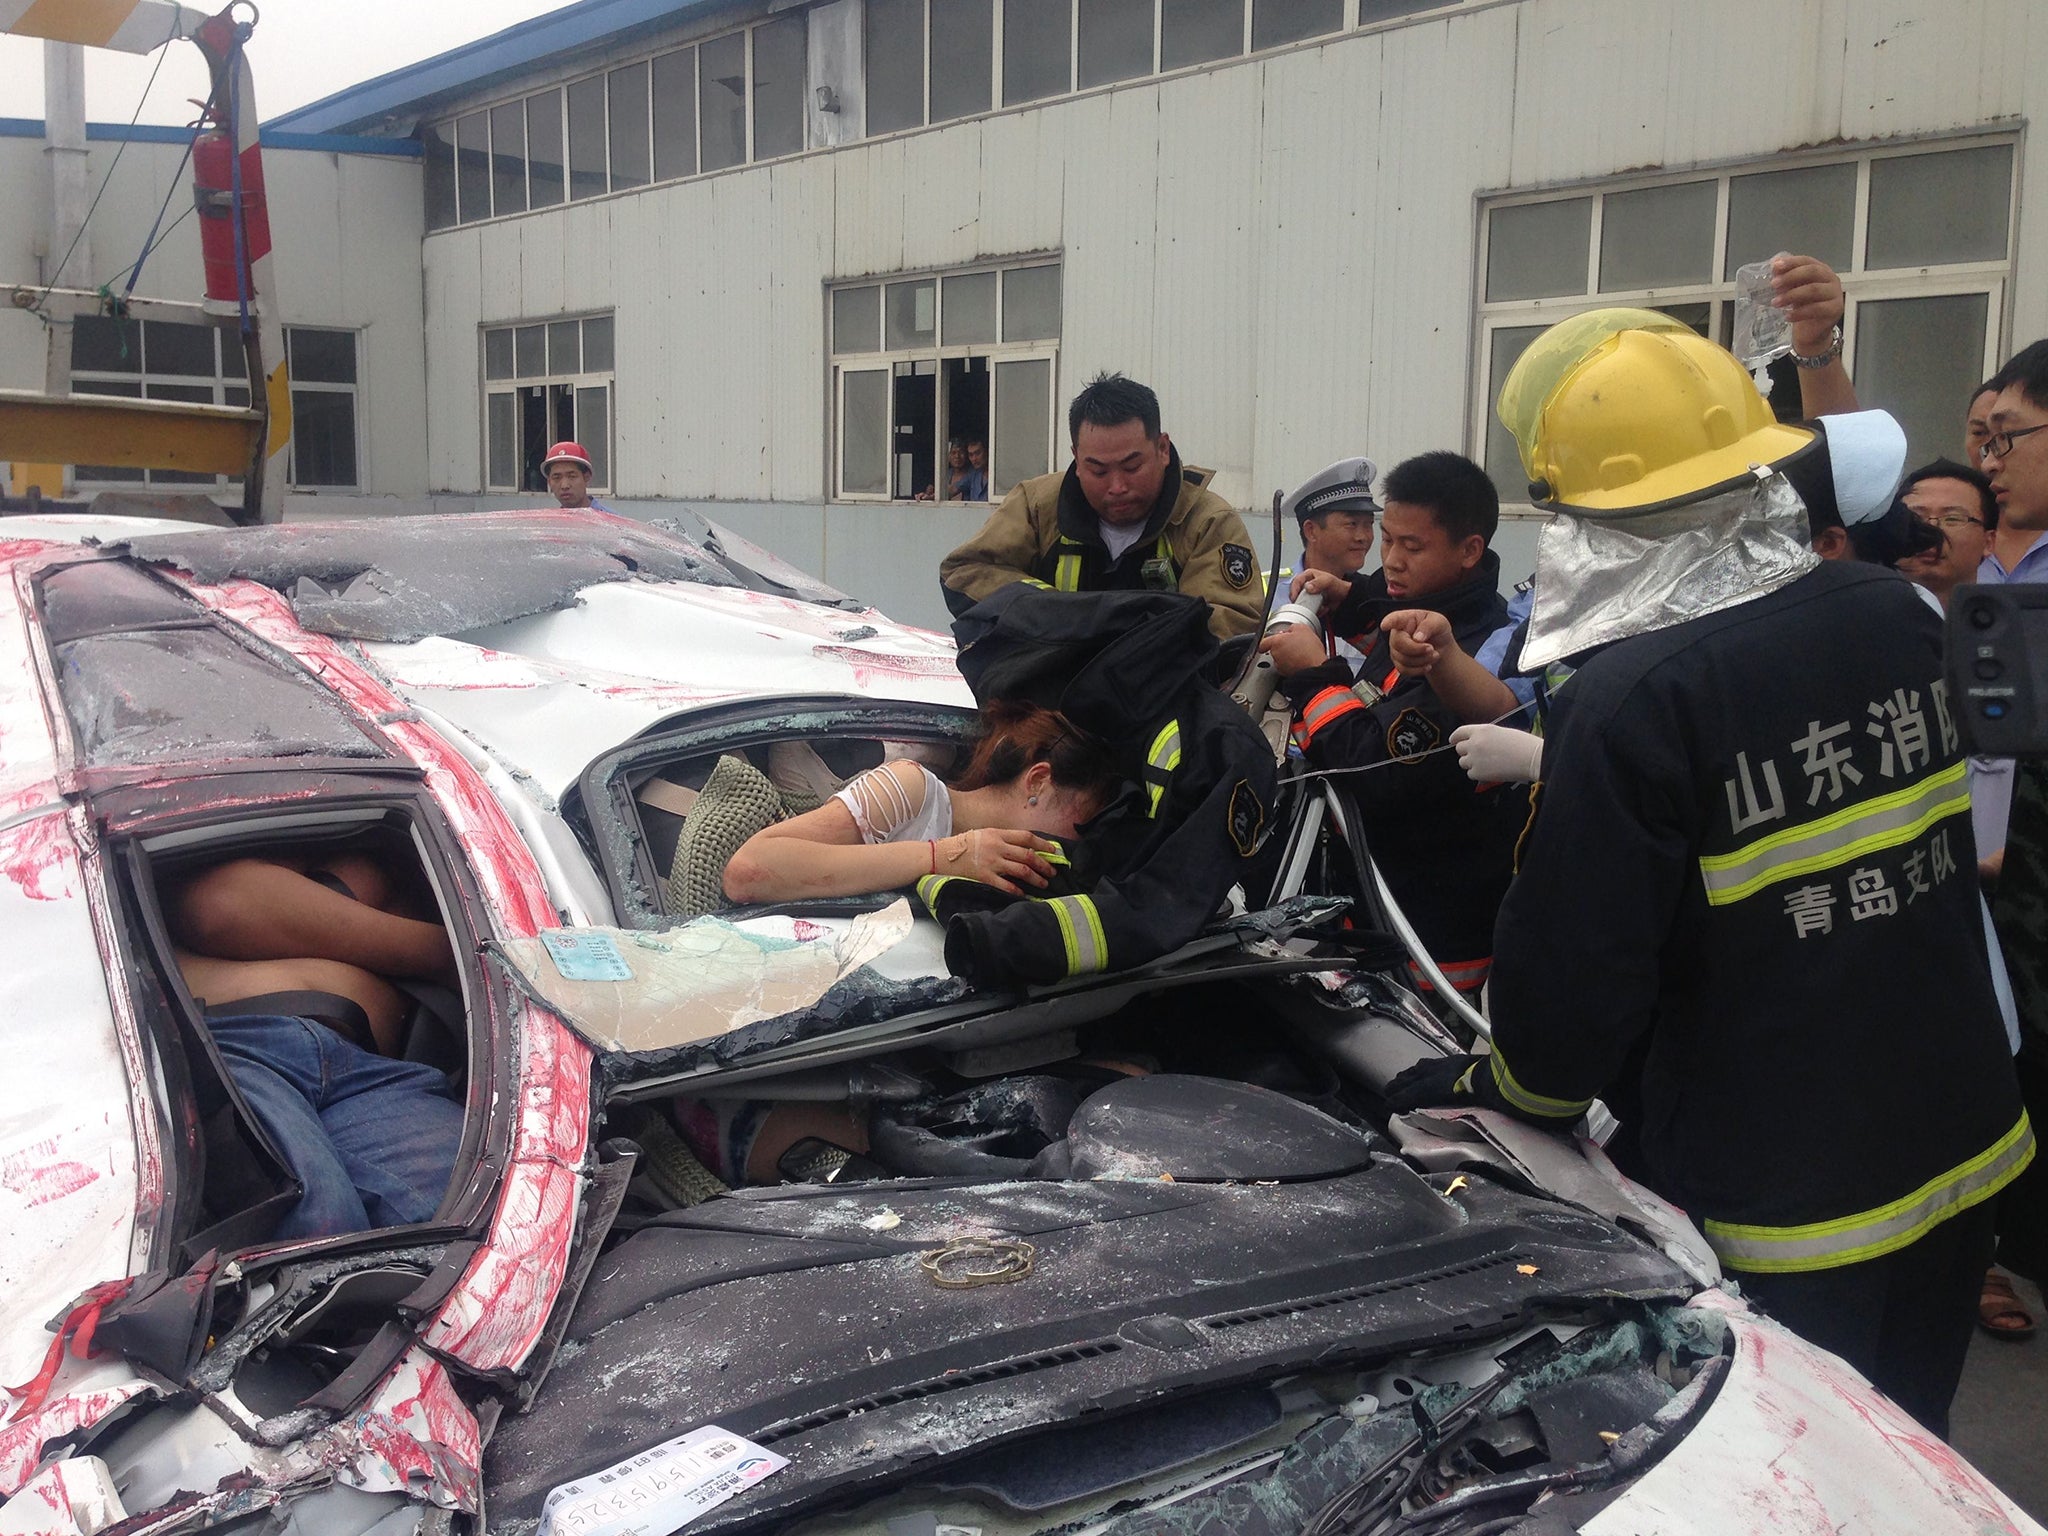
point(549, 693)
point(804, 1318)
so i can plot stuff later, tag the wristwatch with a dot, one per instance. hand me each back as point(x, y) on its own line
point(1821, 360)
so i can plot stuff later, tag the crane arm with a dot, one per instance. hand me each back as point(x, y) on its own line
point(127, 26)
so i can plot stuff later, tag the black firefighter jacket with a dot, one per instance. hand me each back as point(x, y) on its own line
point(1753, 846)
point(1445, 844)
point(1151, 871)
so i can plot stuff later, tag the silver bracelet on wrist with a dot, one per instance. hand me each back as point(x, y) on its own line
point(1834, 350)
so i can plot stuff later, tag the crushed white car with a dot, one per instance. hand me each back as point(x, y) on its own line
point(1220, 1294)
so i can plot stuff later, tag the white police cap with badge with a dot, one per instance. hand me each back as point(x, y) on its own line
point(1346, 486)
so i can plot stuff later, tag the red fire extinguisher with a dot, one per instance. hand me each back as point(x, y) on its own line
point(213, 177)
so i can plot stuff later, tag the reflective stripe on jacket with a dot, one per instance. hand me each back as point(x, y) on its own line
point(1751, 871)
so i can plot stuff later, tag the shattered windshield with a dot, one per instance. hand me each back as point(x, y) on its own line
point(651, 992)
point(401, 579)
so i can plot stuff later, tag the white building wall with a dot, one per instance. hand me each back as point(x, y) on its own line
point(346, 230)
point(1283, 247)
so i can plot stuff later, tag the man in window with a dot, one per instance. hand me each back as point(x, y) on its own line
point(974, 483)
point(1125, 516)
point(567, 467)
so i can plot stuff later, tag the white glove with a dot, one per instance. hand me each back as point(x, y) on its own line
point(1498, 754)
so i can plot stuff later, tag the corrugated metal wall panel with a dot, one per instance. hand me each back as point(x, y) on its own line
point(1316, 245)
point(1109, 226)
point(678, 402)
point(1023, 178)
point(800, 219)
point(453, 302)
point(504, 295)
point(1205, 273)
point(379, 291)
point(592, 251)
point(1437, 146)
point(867, 210)
point(942, 195)
point(1907, 68)
point(733, 376)
point(542, 244)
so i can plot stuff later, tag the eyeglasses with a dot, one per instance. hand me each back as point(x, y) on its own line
point(1953, 520)
point(1999, 444)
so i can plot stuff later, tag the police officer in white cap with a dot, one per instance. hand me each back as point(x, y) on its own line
point(1335, 511)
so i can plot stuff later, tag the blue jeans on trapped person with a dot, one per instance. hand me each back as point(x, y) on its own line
point(372, 1140)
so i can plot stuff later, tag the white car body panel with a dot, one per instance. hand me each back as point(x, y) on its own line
point(545, 695)
point(71, 1175)
point(1797, 1443)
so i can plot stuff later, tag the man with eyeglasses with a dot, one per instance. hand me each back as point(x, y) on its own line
point(2015, 458)
point(1957, 500)
point(2016, 461)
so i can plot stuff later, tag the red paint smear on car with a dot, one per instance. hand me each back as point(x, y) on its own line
point(38, 857)
point(21, 1445)
point(39, 1177)
point(495, 1314)
point(416, 1434)
point(1957, 1482)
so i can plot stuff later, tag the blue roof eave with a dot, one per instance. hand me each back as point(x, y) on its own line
point(400, 97)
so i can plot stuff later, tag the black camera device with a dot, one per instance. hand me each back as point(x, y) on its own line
point(1997, 665)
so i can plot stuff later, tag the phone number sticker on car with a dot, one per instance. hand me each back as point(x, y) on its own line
point(660, 1490)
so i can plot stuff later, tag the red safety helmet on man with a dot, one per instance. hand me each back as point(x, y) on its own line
point(568, 470)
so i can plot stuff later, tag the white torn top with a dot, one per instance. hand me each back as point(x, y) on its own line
point(899, 803)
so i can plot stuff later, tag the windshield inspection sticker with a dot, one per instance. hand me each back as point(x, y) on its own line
point(582, 956)
point(660, 1490)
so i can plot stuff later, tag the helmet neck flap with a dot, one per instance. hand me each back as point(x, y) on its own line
point(1602, 579)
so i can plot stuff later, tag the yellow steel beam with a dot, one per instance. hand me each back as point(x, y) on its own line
point(130, 434)
point(131, 26)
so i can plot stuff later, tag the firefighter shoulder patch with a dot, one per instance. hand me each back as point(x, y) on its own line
point(1247, 819)
point(1412, 734)
point(1238, 565)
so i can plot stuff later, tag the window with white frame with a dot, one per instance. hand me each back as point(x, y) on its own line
point(203, 364)
point(326, 447)
point(156, 360)
point(746, 96)
point(930, 61)
point(1920, 235)
point(705, 107)
point(942, 383)
point(546, 382)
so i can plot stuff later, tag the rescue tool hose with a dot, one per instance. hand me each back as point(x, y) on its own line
point(1403, 930)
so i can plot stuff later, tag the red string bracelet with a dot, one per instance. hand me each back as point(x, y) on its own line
point(933, 845)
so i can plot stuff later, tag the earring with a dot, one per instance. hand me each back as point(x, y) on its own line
point(1031, 799)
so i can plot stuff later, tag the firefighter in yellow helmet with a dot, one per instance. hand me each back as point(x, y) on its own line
point(1751, 865)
